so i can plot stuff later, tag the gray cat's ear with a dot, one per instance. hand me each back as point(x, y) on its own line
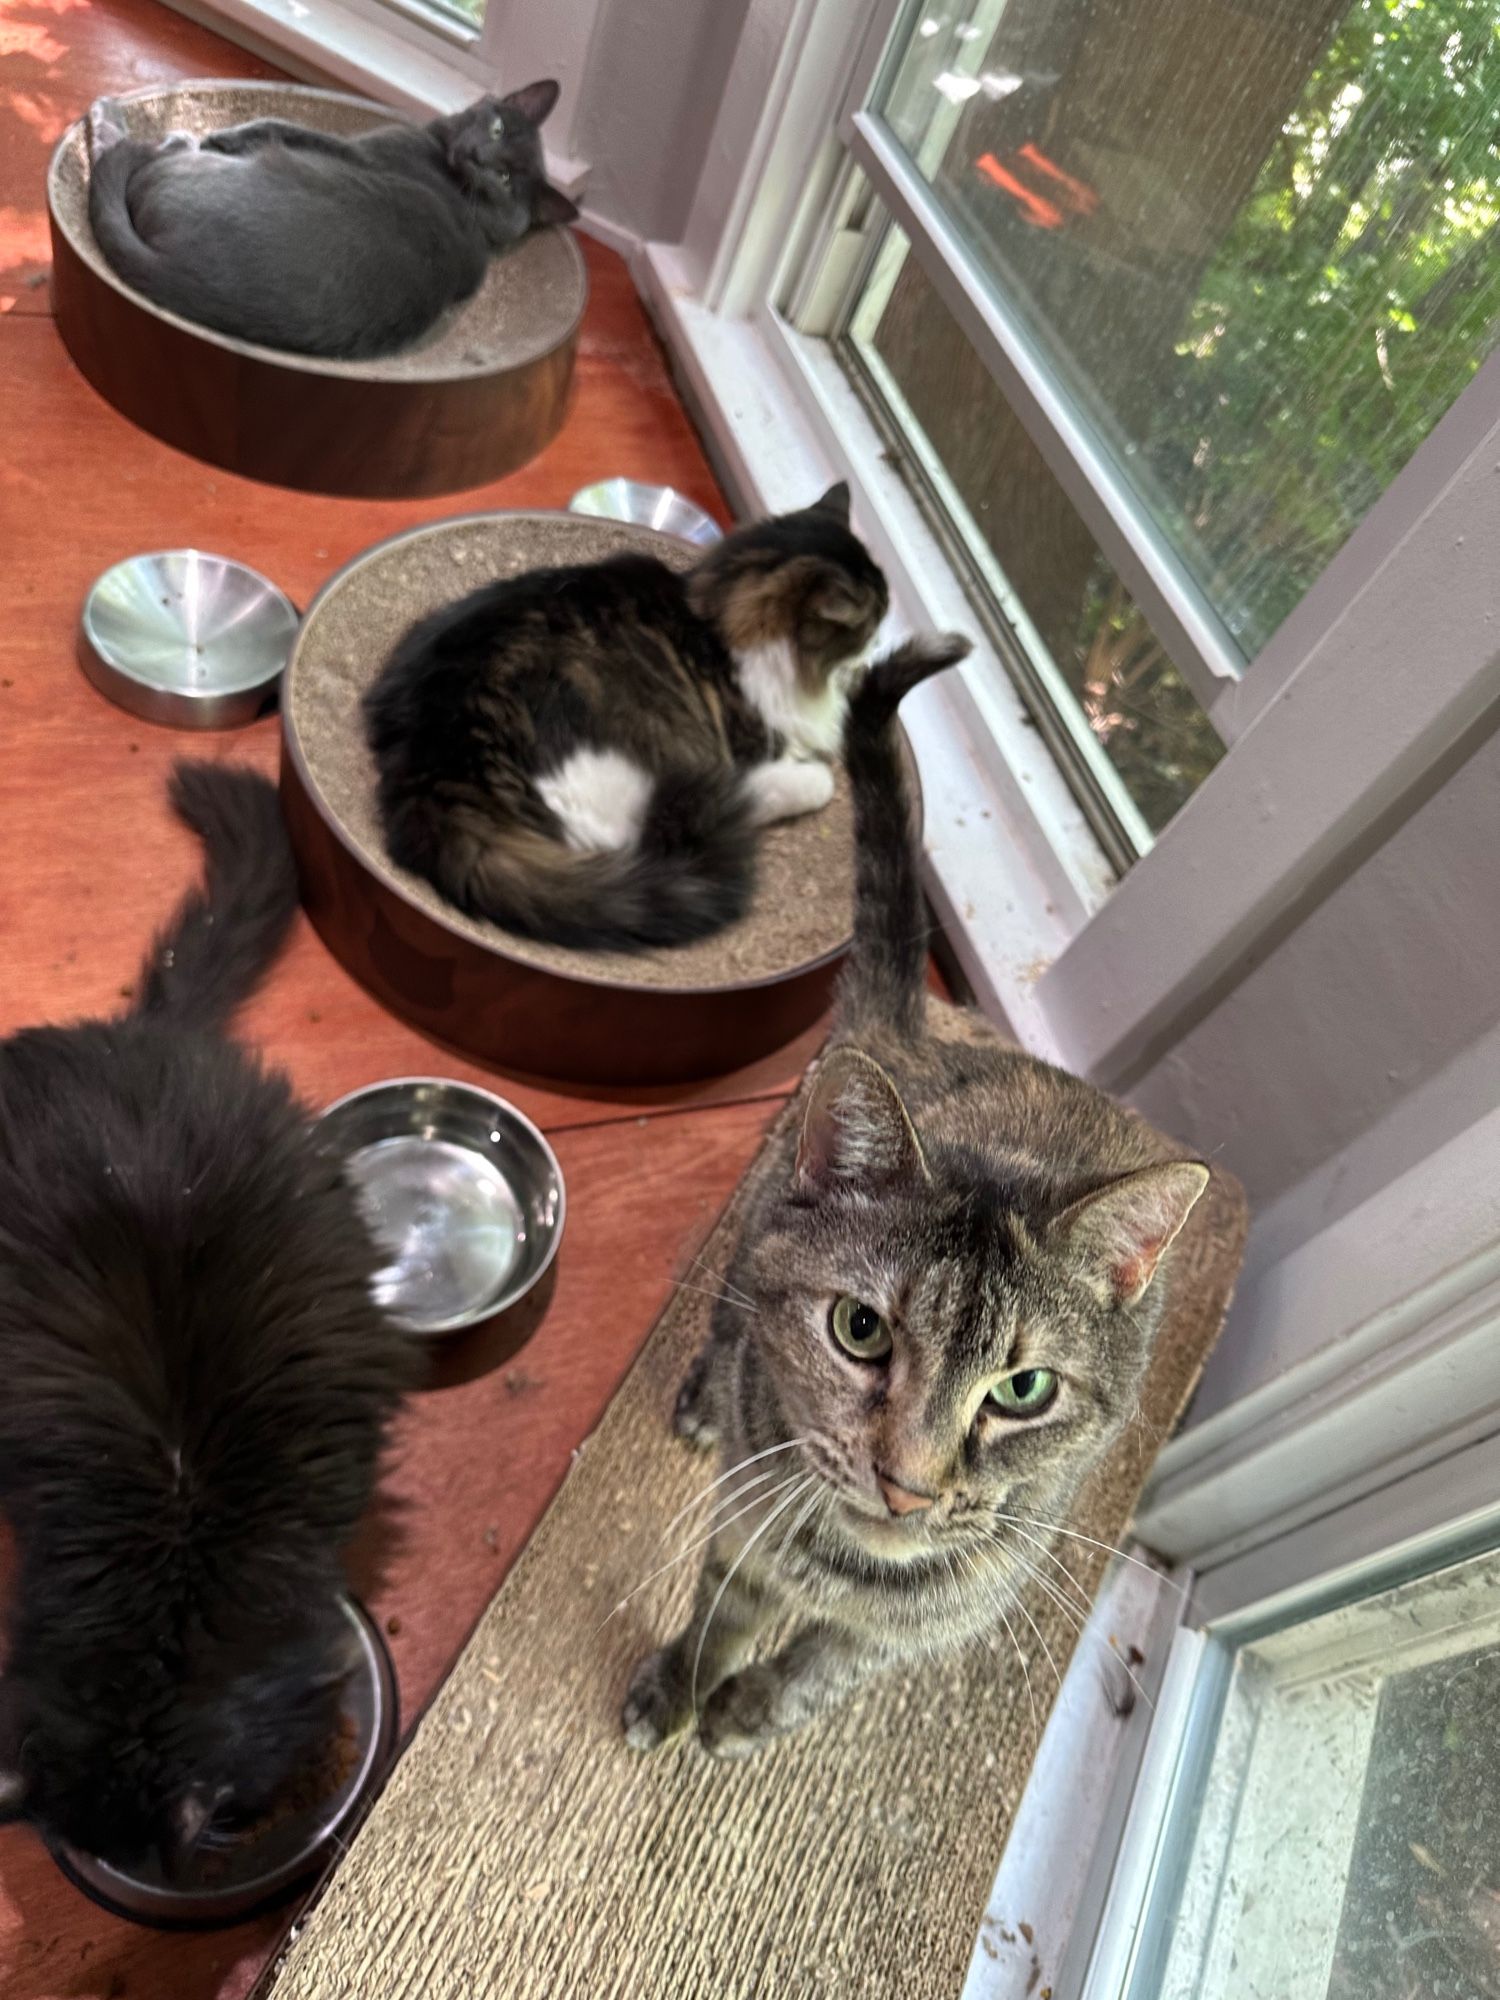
point(835, 501)
point(553, 206)
point(855, 1132)
point(1115, 1237)
point(533, 101)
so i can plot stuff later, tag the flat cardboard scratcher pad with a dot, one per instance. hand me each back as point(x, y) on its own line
point(520, 1849)
point(746, 990)
point(474, 398)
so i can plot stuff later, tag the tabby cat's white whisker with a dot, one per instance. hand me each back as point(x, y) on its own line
point(688, 1547)
point(779, 1510)
point(722, 1298)
point(1042, 1642)
point(713, 1485)
point(799, 1521)
point(1010, 1633)
point(738, 1290)
point(1072, 1535)
point(1083, 1626)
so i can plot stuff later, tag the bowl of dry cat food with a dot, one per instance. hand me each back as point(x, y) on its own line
point(460, 1190)
point(305, 1827)
point(477, 394)
point(592, 1016)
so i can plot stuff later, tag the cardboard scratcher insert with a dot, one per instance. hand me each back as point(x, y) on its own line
point(656, 1016)
point(477, 396)
point(521, 1849)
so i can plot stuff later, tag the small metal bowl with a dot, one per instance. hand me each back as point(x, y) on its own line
point(462, 1191)
point(660, 507)
point(192, 640)
point(265, 1872)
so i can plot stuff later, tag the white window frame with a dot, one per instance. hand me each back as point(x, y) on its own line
point(1366, 1553)
point(1333, 735)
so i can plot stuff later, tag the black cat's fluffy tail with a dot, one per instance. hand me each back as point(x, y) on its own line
point(690, 873)
point(885, 975)
point(225, 935)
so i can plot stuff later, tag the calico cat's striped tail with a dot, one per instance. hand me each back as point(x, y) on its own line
point(690, 872)
point(886, 973)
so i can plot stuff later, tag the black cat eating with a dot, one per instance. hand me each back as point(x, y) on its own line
point(197, 1386)
point(301, 240)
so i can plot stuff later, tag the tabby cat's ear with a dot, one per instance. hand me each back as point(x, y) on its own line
point(836, 502)
point(1114, 1238)
point(855, 1133)
point(553, 206)
point(533, 100)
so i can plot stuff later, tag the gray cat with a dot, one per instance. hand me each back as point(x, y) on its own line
point(937, 1319)
point(300, 240)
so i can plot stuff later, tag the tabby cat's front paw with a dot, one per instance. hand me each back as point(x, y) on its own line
point(656, 1706)
point(693, 1418)
point(740, 1716)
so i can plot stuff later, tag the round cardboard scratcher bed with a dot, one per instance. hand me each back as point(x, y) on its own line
point(479, 395)
point(589, 1017)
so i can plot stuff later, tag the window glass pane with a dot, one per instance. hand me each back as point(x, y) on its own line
point(1255, 239)
point(1089, 649)
point(1348, 1841)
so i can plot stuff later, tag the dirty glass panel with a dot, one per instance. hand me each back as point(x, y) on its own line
point(1255, 239)
point(1092, 648)
point(1347, 1845)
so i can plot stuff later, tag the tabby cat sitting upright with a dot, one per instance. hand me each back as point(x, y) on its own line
point(584, 755)
point(936, 1321)
point(315, 244)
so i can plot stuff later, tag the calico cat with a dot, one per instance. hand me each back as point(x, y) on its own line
point(197, 1385)
point(937, 1319)
point(583, 755)
point(299, 240)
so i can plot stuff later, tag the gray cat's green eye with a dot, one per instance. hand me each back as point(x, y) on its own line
point(860, 1330)
point(1026, 1393)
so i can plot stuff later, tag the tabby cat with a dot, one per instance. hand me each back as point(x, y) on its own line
point(315, 244)
point(583, 755)
point(197, 1386)
point(937, 1318)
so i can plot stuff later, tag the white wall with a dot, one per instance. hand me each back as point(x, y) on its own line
point(655, 75)
point(1362, 1048)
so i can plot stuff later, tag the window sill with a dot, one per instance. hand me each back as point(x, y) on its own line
point(1013, 870)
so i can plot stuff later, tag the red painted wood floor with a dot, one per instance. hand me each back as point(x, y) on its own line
point(91, 863)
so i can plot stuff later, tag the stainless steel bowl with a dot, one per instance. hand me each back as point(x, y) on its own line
point(185, 638)
point(459, 1188)
point(263, 1872)
point(660, 507)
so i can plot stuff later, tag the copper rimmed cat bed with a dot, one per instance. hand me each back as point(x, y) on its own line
point(589, 1017)
point(479, 395)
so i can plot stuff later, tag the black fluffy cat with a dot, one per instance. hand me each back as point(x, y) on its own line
point(196, 1385)
point(584, 755)
point(297, 239)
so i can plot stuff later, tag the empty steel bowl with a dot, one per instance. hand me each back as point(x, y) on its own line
point(462, 1192)
point(185, 638)
point(226, 1884)
point(660, 507)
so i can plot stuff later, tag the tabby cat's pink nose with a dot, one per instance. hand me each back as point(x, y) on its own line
point(901, 1499)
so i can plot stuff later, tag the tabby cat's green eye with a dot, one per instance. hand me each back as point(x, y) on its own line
point(860, 1330)
point(1026, 1393)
